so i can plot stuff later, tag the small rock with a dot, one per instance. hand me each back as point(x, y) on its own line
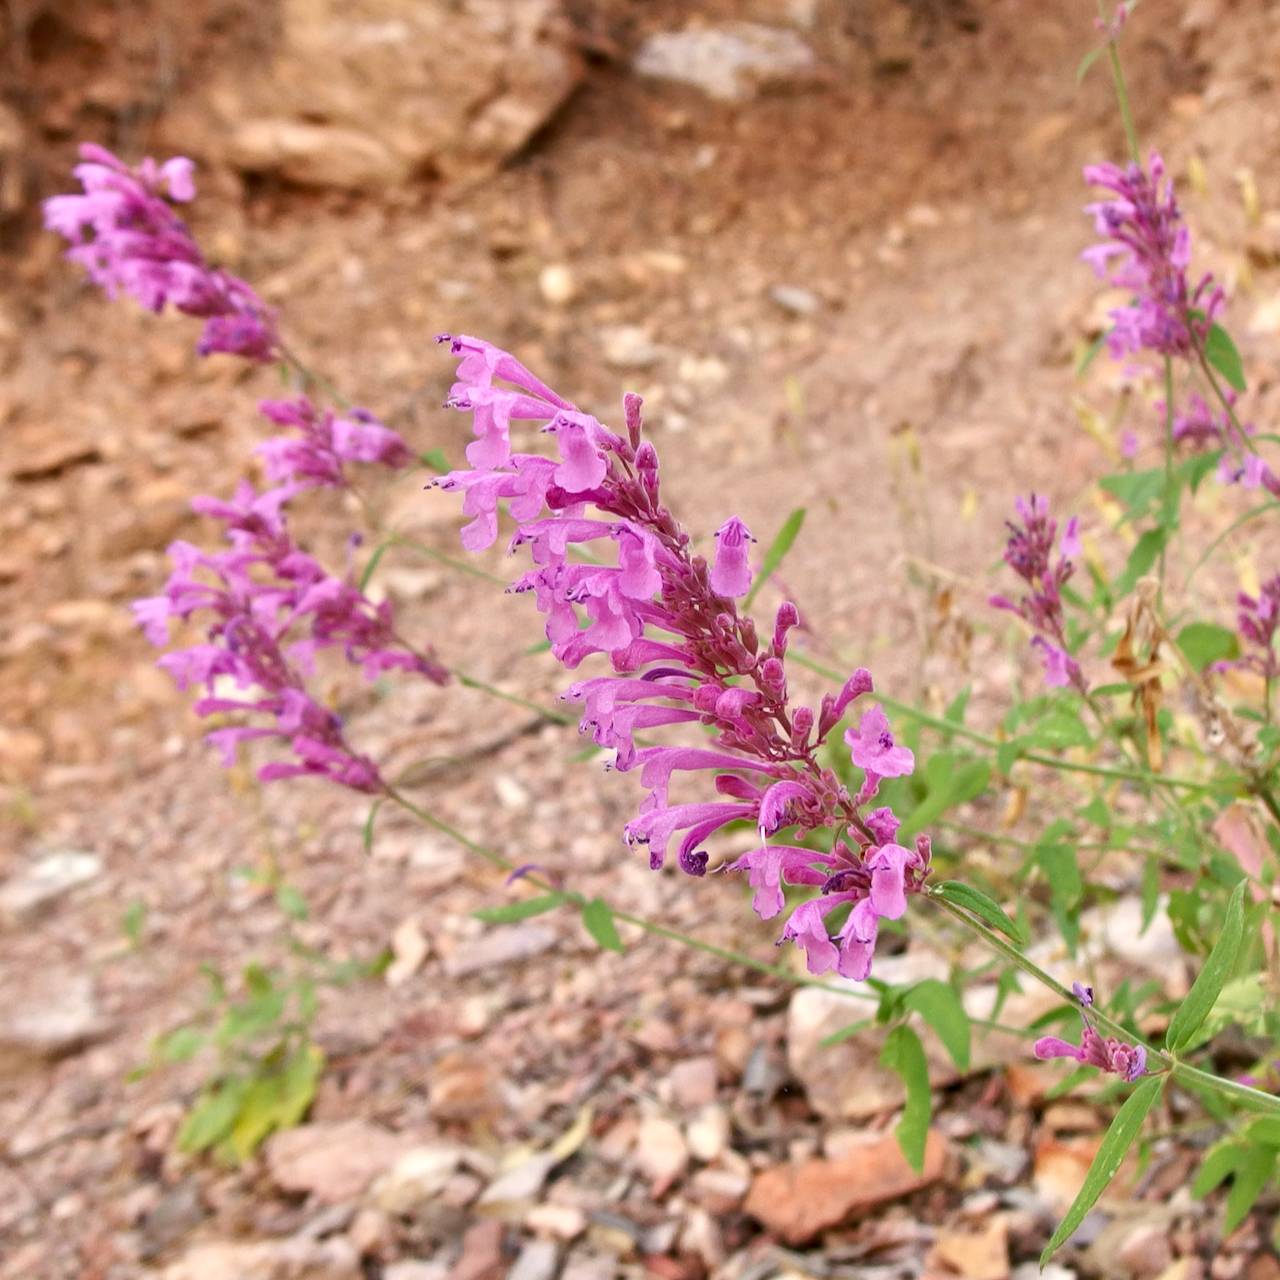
point(976, 1255)
point(315, 155)
point(795, 300)
point(1146, 1251)
point(500, 948)
point(25, 893)
point(729, 63)
point(410, 948)
point(557, 285)
point(463, 1087)
point(178, 1211)
point(693, 1083)
point(332, 1162)
point(481, 1257)
point(371, 1233)
point(537, 1260)
point(700, 1235)
point(270, 1260)
point(520, 1184)
point(52, 1013)
point(563, 1221)
point(410, 1269)
point(1061, 1166)
point(417, 1176)
point(708, 1133)
point(798, 1201)
point(660, 1153)
point(628, 346)
point(719, 1191)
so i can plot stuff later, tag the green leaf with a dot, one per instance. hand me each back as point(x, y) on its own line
point(1206, 642)
point(1141, 558)
point(597, 916)
point(904, 1054)
point(1083, 70)
point(1115, 1145)
point(1137, 490)
point(773, 557)
point(134, 921)
point(212, 1116)
point(939, 1005)
point(181, 1045)
point(975, 901)
point(1211, 979)
point(1221, 352)
point(525, 909)
point(845, 1033)
point(958, 705)
point(291, 902)
point(435, 459)
point(371, 568)
point(367, 834)
point(1252, 1175)
point(1219, 1163)
point(1264, 1130)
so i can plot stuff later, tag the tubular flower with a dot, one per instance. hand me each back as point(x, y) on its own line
point(123, 230)
point(1029, 553)
point(1258, 621)
point(1146, 249)
point(681, 654)
point(328, 440)
point(1110, 1054)
point(268, 609)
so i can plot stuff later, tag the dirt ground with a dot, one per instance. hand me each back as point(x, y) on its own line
point(854, 290)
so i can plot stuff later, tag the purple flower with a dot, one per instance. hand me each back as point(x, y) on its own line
point(1030, 554)
point(680, 654)
point(268, 609)
point(731, 574)
point(123, 230)
point(874, 748)
point(327, 442)
point(1258, 622)
point(1128, 1061)
point(1146, 250)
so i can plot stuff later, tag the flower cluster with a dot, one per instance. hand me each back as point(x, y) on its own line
point(1128, 1061)
point(269, 610)
point(1142, 230)
point(1029, 553)
point(682, 654)
point(328, 441)
point(123, 230)
point(1258, 621)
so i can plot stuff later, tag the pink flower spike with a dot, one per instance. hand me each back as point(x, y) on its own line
point(731, 574)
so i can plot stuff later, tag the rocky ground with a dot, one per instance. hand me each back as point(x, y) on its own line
point(835, 250)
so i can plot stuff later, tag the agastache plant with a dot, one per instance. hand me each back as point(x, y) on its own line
point(682, 654)
point(1029, 552)
point(125, 233)
point(1107, 1053)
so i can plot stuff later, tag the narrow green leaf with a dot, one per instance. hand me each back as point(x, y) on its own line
point(367, 834)
point(1087, 61)
point(1115, 1145)
point(291, 902)
point(773, 557)
point(1219, 1163)
point(525, 909)
point(1211, 979)
point(1221, 352)
point(597, 916)
point(845, 1033)
point(1253, 1174)
point(958, 705)
point(977, 902)
point(904, 1054)
point(1206, 642)
point(134, 922)
point(1141, 558)
point(939, 1005)
point(371, 568)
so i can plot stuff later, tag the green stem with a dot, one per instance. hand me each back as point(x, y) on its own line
point(1242, 1093)
point(652, 927)
point(992, 744)
point(471, 682)
point(1122, 92)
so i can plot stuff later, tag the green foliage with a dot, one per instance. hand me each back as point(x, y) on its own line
point(979, 904)
point(525, 909)
point(1119, 1138)
point(1206, 642)
point(939, 1005)
point(904, 1054)
point(1220, 351)
point(597, 917)
point(1211, 979)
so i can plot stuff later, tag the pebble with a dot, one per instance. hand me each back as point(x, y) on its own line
point(500, 947)
point(537, 1260)
point(708, 1133)
point(27, 892)
point(53, 1013)
point(416, 1177)
point(628, 346)
point(660, 1152)
point(332, 1162)
point(728, 63)
point(794, 300)
point(557, 284)
point(693, 1083)
point(563, 1221)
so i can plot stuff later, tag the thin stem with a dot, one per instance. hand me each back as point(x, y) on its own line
point(1170, 495)
point(1242, 1093)
point(471, 682)
point(657, 930)
point(1122, 89)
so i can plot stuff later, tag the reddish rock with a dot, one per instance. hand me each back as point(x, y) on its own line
point(797, 1201)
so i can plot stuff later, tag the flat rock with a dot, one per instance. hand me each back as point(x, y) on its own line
point(28, 891)
point(537, 1260)
point(731, 63)
point(798, 1201)
point(297, 1259)
point(500, 947)
point(332, 1162)
point(660, 1152)
point(980, 1254)
point(418, 1176)
point(52, 1012)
